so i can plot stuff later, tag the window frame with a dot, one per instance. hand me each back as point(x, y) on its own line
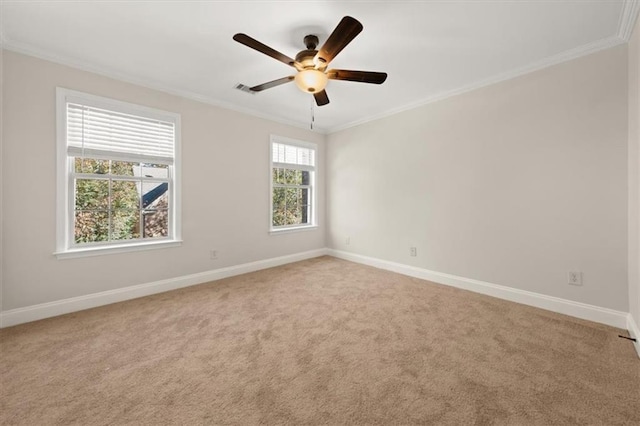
point(313, 224)
point(66, 175)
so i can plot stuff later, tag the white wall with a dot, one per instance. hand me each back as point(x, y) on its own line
point(1, 172)
point(513, 184)
point(225, 204)
point(634, 176)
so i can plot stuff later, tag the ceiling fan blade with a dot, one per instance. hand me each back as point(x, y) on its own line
point(263, 48)
point(321, 98)
point(270, 84)
point(347, 30)
point(359, 76)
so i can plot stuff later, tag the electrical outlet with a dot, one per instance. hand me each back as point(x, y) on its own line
point(574, 277)
point(213, 254)
point(413, 251)
point(347, 240)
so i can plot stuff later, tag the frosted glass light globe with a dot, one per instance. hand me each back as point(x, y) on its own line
point(311, 81)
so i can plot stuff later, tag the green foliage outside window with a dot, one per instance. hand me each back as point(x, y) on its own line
point(290, 197)
point(108, 205)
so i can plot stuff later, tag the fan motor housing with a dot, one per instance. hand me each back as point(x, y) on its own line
point(305, 57)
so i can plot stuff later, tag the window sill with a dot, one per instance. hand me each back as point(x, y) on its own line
point(293, 229)
point(112, 249)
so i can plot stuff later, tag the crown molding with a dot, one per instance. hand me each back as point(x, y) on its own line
point(28, 50)
point(628, 18)
point(565, 56)
point(630, 8)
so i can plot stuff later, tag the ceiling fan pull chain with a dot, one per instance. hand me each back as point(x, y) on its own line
point(313, 118)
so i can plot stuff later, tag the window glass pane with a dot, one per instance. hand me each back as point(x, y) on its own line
point(290, 177)
point(155, 195)
point(125, 168)
point(279, 206)
point(282, 153)
point(92, 194)
point(156, 223)
point(96, 128)
point(277, 175)
point(109, 184)
point(293, 211)
point(290, 154)
point(304, 196)
point(124, 194)
point(291, 204)
point(305, 205)
point(91, 226)
point(125, 224)
point(90, 165)
point(154, 170)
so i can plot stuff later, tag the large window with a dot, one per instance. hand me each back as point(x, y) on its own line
point(117, 175)
point(293, 166)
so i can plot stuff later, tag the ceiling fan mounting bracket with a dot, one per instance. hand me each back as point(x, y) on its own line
point(311, 41)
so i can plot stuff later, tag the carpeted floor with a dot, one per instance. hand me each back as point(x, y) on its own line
point(322, 341)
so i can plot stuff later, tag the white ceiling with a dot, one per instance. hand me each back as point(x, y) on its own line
point(430, 49)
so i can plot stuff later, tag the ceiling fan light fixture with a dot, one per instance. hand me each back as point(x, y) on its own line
point(311, 80)
point(311, 64)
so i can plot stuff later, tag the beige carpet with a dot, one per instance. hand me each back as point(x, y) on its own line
point(322, 341)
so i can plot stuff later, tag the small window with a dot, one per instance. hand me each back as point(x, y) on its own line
point(117, 174)
point(293, 168)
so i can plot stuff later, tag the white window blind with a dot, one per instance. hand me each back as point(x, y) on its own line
point(95, 132)
point(290, 155)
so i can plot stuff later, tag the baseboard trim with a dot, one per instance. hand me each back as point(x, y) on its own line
point(568, 307)
point(74, 304)
point(563, 306)
point(634, 331)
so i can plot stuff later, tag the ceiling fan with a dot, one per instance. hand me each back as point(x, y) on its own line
point(311, 64)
